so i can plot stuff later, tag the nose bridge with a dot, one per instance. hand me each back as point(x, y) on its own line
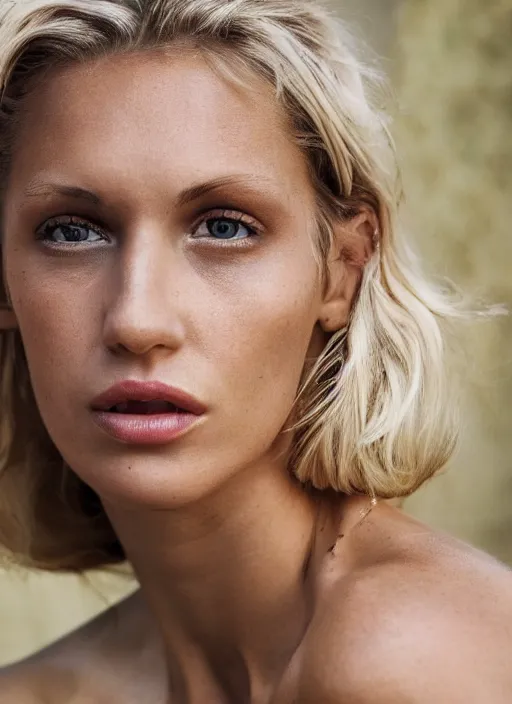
point(144, 303)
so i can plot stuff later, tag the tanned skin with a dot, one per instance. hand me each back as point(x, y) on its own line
point(248, 594)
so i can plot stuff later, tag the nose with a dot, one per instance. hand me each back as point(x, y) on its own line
point(143, 316)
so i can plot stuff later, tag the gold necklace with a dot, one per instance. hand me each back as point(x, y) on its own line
point(363, 513)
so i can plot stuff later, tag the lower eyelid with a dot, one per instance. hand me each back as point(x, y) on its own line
point(251, 234)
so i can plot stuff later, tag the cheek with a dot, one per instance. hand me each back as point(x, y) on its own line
point(266, 337)
point(54, 329)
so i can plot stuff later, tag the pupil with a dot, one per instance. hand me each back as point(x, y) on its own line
point(71, 234)
point(224, 229)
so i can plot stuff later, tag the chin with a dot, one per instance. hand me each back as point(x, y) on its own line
point(151, 480)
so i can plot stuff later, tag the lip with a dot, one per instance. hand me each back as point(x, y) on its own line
point(132, 390)
point(147, 429)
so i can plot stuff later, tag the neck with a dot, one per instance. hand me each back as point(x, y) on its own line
point(227, 580)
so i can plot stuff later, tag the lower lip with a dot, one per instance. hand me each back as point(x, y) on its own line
point(157, 429)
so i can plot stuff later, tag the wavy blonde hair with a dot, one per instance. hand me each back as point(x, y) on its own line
point(372, 415)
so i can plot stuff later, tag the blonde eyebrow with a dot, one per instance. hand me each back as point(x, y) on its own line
point(186, 196)
point(43, 189)
point(194, 192)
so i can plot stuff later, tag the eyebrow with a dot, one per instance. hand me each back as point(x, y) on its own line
point(37, 190)
point(186, 196)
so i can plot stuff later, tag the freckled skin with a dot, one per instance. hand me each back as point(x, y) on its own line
point(231, 327)
point(217, 530)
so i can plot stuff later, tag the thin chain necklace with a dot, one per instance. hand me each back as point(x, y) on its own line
point(363, 515)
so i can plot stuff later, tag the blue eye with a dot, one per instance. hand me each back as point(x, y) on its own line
point(227, 229)
point(70, 231)
point(226, 225)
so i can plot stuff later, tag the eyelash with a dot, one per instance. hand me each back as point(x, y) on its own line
point(226, 214)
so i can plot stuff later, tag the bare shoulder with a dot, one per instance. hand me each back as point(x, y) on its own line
point(16, 689)
point(108, 660)
point(420, 618)
point(58, 673)
point(41, 678)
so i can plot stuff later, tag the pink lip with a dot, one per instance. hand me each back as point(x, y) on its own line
point(131, 390)
point(153, 429)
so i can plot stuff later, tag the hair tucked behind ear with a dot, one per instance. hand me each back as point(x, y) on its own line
point(373, 415)
point(377, 401)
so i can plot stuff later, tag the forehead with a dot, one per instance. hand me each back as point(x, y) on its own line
point(156, 113)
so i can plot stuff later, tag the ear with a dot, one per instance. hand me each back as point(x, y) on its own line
point(7, 318)
point(353, 245)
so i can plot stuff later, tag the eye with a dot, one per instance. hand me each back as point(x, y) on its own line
point(226, 225)
point(70, 230)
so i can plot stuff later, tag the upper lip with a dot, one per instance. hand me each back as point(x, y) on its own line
point(132, 390)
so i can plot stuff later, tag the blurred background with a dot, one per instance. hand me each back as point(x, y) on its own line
point(450, 62)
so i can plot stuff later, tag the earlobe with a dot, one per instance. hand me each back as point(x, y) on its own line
point(334, 316)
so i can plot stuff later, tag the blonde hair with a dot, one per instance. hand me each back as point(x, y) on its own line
point(372, 414)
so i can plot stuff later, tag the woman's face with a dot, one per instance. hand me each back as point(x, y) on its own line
point(159, 227)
